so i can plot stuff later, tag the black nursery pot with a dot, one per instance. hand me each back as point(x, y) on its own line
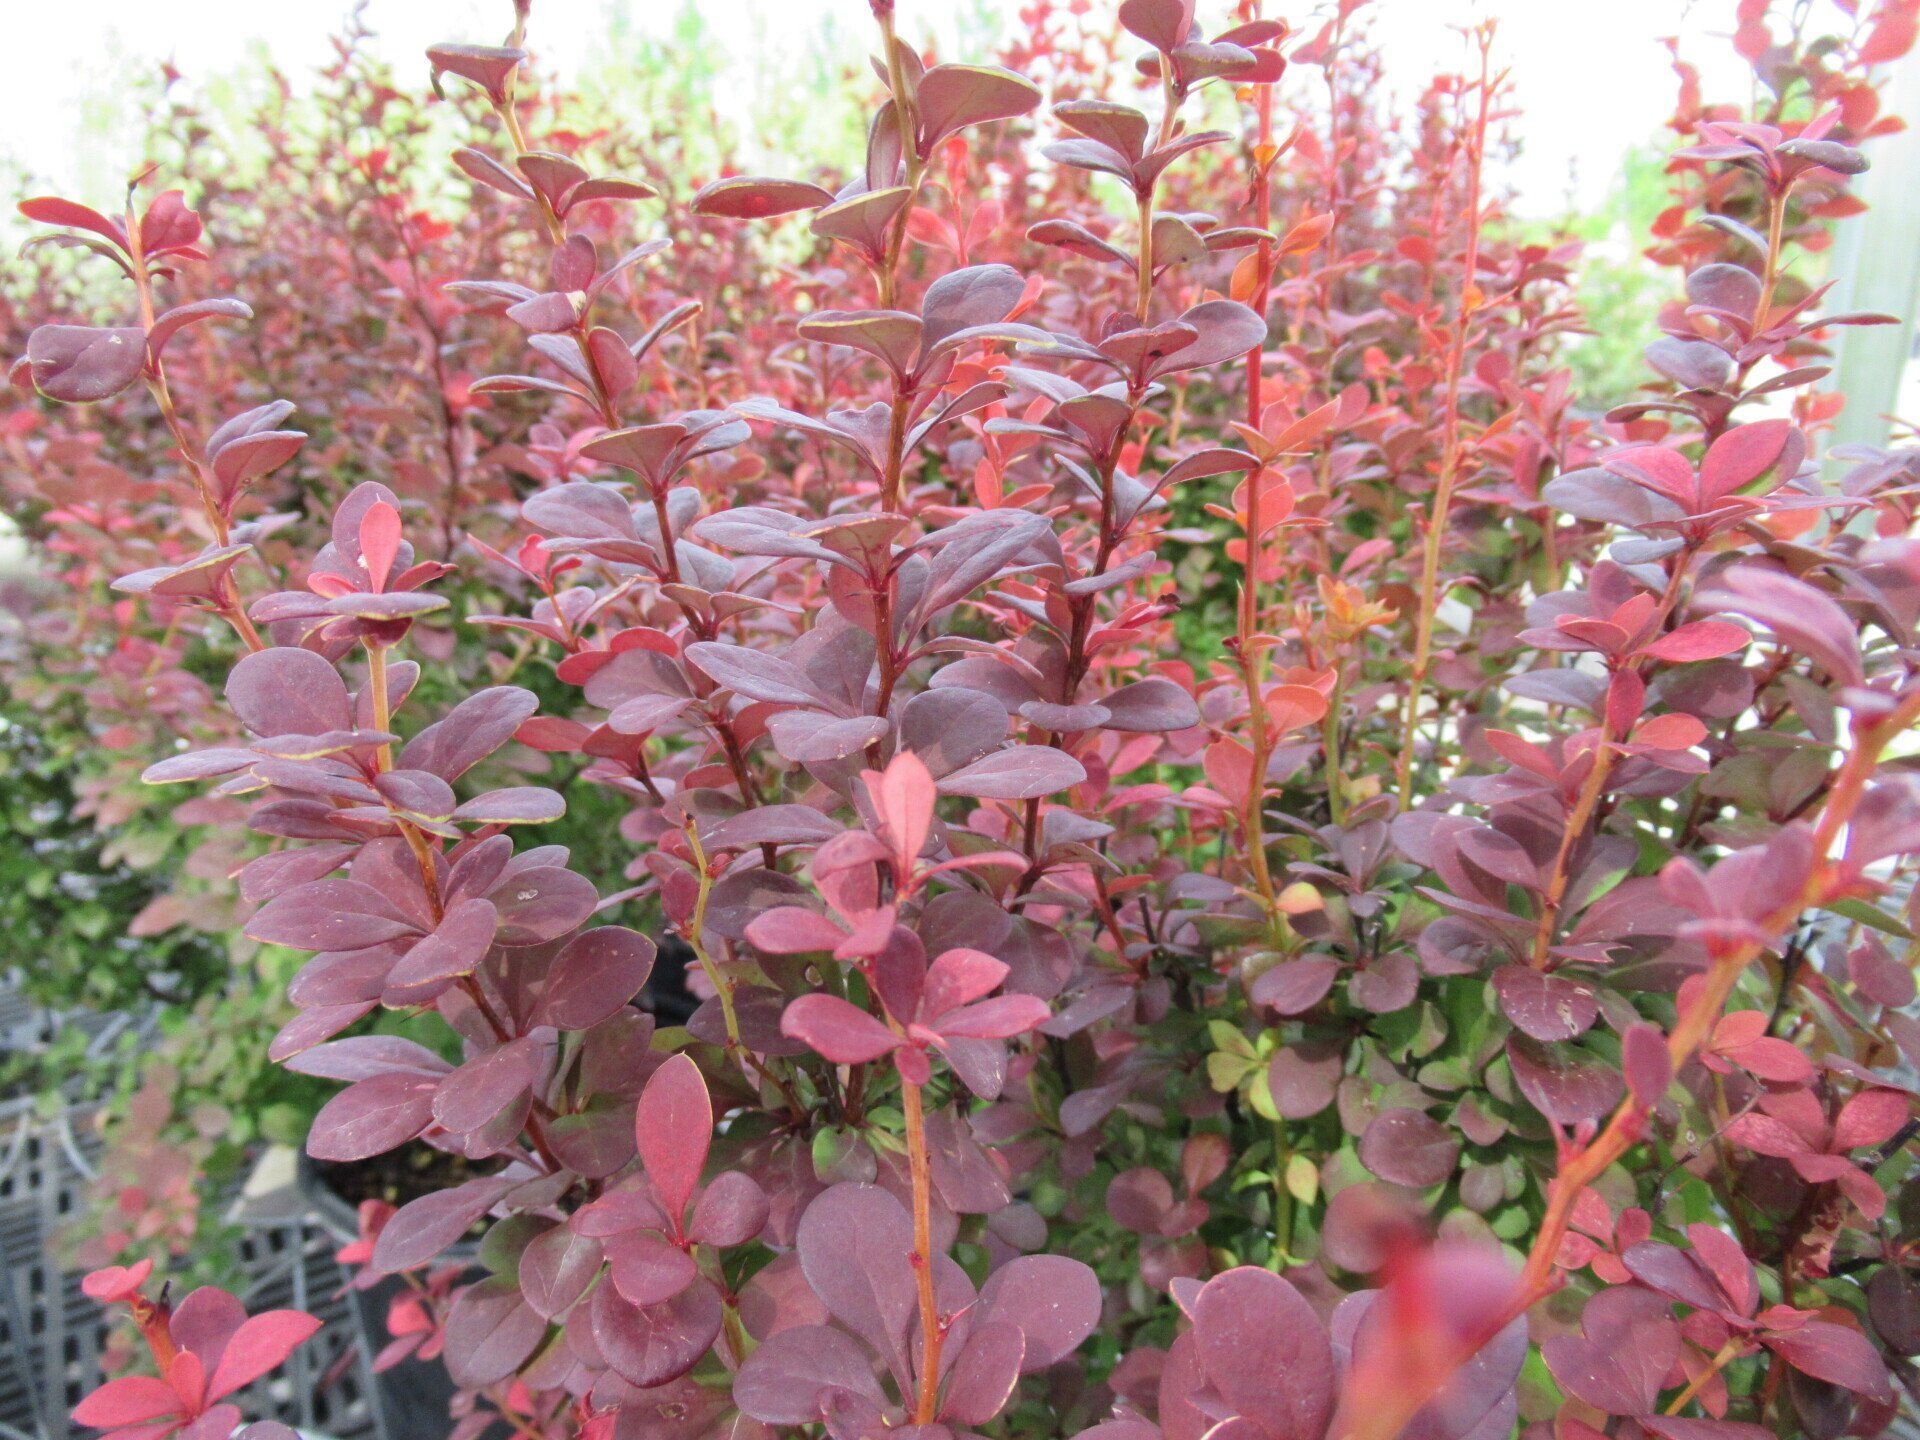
point(410, 1401)
point(667, 995)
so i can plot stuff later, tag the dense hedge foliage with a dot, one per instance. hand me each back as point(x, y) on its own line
point(1256, 866)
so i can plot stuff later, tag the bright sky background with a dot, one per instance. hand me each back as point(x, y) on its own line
point(1591, 82)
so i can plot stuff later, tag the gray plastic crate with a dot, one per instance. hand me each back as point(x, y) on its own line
point(26, 1027)
point(51, 1334)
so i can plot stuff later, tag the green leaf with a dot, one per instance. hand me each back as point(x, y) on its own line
point(1303, 1179)
point(500, 1250)
point(1862, 912)
point(1260, 1097)
point(839, 1154)
point(1225, 1035)
point(1512, 1222)
point(1225, 1072)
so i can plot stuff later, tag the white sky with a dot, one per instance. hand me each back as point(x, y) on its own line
point(1591, 83)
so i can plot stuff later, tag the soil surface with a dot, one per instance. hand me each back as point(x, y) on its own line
point(397, 1176)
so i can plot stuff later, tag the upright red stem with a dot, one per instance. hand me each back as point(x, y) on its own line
point(1465, 303)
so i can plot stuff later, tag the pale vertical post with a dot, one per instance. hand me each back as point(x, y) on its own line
point(1877, 264)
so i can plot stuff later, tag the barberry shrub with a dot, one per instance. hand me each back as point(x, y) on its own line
point(1251, 866)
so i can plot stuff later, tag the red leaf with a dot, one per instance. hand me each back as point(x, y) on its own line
point(52, 210)
point(1870, 1118)
point(1766, 1135)
point(168, 226)
point(490, 1332)
point(903, 797)
point(556, 1268)
point(673, 1129)
point(129, 1400)
point(1801, 616)
point(171, 322)
point(454, 949)
point(1229, 769)
point(1163, 24)
point(1742, 456)
point(114, 1283)
point(959, 977)
point(784, 1379)
point(1728, 1263)
point(488, 1087)
point(1547, 1007)
point(288, 691)
point(793, 930)
point(1053, 1301)
point(843, 1033)
point(1291, 706)
point(263, 1343)
point(553, 733)
point(1626, 701)
point(420, 1229)
point(379, 542)
point(1670, 732)
point(1892, 36)
point(1739, 1027)
point(1771, 1059)
point(1000, 1018)
point(1657, 468)
point(653, 1346)
point(1265, 1352)
point(1702, 640)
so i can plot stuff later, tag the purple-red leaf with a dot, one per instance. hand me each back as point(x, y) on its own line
point(597, 973)
point(1836, 1354)
point(952, 97)
point(756, 197)
point(372, 1117)
point(1021, 772)
point(81, 363)
point(1409, 1147)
